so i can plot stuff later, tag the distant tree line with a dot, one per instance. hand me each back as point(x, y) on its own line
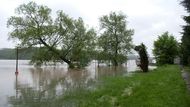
point(8, 53)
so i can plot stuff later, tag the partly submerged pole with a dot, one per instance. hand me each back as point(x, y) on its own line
point(16, 85)
point(16, 61)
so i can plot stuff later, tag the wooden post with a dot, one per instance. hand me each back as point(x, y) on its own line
point(16, 61)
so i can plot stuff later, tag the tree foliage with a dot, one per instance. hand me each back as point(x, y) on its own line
point(67, 38)
point(116, 39)
point(186, 4)
point(141, 49)
point(185, 45)
point(165, 49)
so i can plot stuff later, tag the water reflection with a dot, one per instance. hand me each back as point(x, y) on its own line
point(50, 84)
point(46, 86)
point(34, 87)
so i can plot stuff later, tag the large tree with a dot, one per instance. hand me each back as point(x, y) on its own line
point(116, 39)
point(185, 45)
point(165, 49)
point(65, 37)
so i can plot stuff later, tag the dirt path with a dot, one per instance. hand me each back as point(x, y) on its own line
point(186, 77)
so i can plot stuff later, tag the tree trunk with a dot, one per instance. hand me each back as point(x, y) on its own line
point(57, 53)
point(116, 50)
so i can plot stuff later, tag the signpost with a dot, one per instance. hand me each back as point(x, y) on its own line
point(16, 61)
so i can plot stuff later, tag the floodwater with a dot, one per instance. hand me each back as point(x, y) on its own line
point(37, 84)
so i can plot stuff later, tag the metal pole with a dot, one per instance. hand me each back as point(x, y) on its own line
point(16, 61)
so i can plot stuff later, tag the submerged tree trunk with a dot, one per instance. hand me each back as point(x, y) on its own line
point(115, 63)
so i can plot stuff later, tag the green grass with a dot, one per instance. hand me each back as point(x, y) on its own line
point(162, 87)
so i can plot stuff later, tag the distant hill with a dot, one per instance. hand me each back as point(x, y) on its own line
point(8, 53)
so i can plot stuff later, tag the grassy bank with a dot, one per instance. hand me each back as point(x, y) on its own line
point(163, 87)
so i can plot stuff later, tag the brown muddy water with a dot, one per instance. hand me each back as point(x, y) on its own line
point(35, 83)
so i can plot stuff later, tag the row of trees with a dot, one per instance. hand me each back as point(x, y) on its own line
point(166, 47)
point(69, 40)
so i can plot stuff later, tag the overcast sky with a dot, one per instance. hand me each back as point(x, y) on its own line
point(149, 18)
